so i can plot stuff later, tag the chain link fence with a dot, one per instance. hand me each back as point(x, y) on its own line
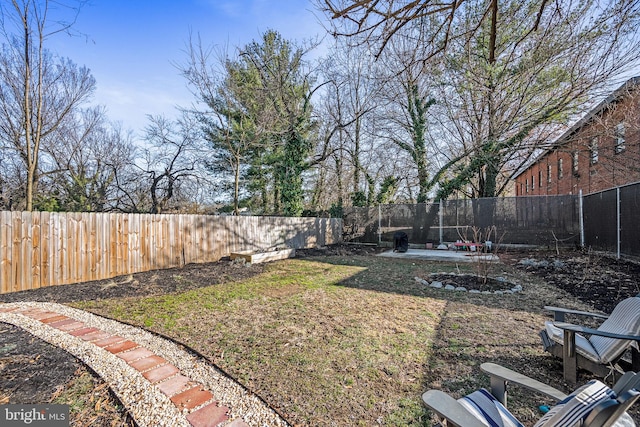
point(534, 220)
point(612, 220)
point(606, 221)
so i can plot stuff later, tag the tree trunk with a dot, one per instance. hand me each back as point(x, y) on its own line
point(236, 189)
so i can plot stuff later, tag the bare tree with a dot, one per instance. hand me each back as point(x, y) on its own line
point(502, 97)
point(350, 110)
point(377, 22)
point(82, 162)
point(11, 181)
point(408, 97)
point(173, 160)
point(37, 90)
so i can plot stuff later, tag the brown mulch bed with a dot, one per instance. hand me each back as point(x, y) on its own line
point(472, 282)
point(26, 364)
point(596, 279)
point(34, 371)
point(25, 361)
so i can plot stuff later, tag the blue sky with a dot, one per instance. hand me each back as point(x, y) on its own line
point(131, 46)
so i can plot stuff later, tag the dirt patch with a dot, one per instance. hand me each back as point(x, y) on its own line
point(148, 283)
point(341, 250)
point(25, 366)
point(34, 371)
point(172, 280)
point(472, 282)
point(595, 279)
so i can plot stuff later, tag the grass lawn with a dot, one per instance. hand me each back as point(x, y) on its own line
point(355, 340)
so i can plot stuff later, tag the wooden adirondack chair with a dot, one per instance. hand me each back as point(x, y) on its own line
point(600, 350)
point(592, 405)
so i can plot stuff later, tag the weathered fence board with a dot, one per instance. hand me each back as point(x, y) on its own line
point(40, 249)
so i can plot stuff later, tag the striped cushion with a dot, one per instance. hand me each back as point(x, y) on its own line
point(570, 412)
point(574, 409)
point(583, 345)
point(625, 319)
point(488, 410)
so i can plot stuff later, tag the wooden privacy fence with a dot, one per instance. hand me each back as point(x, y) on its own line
point(41, 249)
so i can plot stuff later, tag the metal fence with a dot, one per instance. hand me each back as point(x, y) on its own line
point(534, 220)
point(612, 220)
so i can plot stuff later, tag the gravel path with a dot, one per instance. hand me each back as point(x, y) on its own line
point(158, 382)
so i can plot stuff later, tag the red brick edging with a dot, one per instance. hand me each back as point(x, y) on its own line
point(185, 393)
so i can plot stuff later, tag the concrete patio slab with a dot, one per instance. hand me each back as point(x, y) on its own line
point(440, 255)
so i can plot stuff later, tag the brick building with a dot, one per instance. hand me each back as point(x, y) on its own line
point(599, 152)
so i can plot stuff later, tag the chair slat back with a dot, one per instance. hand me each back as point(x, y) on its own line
point(577, 406)
point(625, 320)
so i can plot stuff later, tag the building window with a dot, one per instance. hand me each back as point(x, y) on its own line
point(533, 183)
point(526, 185)
point(619, 138)
point(540, 178)
point(560, 171)
point(593, 150)
point(574, 162)
point(549, 174)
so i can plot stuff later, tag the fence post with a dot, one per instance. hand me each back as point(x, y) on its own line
point(581, 217)
point(379, 224)
point(618, 222)
point(441, 218)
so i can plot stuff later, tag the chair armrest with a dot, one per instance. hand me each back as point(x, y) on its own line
point(559, 312)
point(501, 376)
point(449, 408)
point(590, 331)
point(629, 380)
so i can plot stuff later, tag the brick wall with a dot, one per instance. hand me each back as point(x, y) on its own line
point(581, 168)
